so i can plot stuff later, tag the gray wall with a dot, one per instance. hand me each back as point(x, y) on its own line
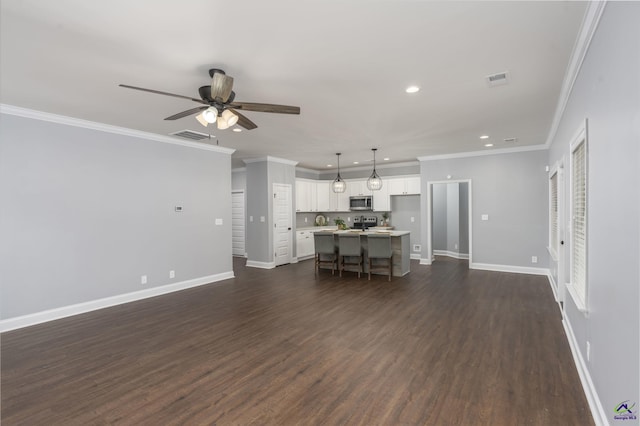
point(512, 190)
point(260, 177)
point(607, 93)
point(453, 217)
point(239, 179)
point(86, 213)
point(404, 208)
point(463, 188)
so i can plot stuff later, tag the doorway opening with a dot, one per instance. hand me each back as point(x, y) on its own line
point(449, 219)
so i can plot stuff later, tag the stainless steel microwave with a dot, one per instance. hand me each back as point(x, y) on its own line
point(363, 202)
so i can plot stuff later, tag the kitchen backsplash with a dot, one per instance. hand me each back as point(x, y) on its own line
point(311, 218)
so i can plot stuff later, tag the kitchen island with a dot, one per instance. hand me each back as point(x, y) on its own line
point(399, 245)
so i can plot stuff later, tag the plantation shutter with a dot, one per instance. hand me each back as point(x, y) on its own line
point(579, 222)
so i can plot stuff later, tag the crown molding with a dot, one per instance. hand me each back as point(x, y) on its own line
point(271, 160)
point(587, 30)
point(367, 167)
point(484, 153)
point(107, 128)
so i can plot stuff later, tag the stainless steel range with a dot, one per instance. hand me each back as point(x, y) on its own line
point(364, 222)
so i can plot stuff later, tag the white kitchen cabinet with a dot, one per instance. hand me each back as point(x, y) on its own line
point(304, 244)
point(357, 188)
point(381, 199)
point(306, 196)
point(404, 185)
point(323, 196)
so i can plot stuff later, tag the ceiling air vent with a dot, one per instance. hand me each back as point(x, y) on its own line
point(190, 134)
point(497, 79)
point(510, 140)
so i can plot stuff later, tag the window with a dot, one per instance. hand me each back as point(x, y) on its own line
point(578, 265)
point(553, 214)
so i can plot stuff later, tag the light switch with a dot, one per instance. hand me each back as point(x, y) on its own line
point(413, 219)
point(218, 221)
point(485, 217)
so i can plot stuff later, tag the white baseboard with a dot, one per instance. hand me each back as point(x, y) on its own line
point(509, 268)
point(414, 256)
point(450, 254)
point(426, 261)
point(261, 265)
point(80, 308)
point(552, 283)
point(598, 413)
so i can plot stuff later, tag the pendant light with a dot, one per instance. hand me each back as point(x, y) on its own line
point(374, 183)
point(338, 184)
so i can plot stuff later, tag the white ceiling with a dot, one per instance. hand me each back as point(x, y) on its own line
point(345, 63)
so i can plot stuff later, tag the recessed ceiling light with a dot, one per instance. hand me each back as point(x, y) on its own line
point(356, 162)
point(386, 159)
point(329, 165)
point(488, 145)
point(237, 129)
point(484, 137)
point(412, 89)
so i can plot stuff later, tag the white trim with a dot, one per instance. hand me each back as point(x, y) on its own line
point(426, 261)
point(552, 283)
point(587, 30)
point(270, 159)
point(359, 168)
point(261, 265)
point(239, 170)
point(80, 308)
point(107, 128)
point(483, 153)
point(509, 268)
point(414, 256)
point(598, 413)
point(453, 254)
point(577, 300)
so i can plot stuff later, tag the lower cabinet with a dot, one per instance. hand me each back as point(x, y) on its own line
point(304, 244)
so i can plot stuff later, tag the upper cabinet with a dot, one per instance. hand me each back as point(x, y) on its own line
point(404, 185)
point(317, 195)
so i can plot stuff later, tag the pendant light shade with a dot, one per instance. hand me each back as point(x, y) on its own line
point(338, 184)
point(210, 114)
point(229, 117)
point(374, 183)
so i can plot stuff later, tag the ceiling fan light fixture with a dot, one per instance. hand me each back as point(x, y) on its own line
point(374, 183)
point(338, 184)
point(222, 123)
point(229, 117)
point(202, 120)
point(210, 115)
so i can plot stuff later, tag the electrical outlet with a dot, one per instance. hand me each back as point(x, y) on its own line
point(534, 259)
point(417, 247)
point(413, 219)
point(262, 219)
point(218, 221)
point(250, 218)
point(143, 279)
point(455, 246)
point(485, 217)
point(305, 220)
point(172, 274)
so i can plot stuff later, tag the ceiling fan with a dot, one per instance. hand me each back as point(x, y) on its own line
point(219, 104)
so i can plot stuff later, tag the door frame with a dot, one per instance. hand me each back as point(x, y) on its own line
point(430, 184)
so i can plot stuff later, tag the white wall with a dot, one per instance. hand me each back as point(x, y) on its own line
point(85, 213)
point(607, 93)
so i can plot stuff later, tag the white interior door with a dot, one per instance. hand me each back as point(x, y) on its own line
point(282, 222)
point(238, 224)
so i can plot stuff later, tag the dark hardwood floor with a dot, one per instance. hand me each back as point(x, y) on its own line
point(442, 346)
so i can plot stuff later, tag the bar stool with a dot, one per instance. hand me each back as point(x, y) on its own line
point(349, 247)
point(379, 246)
point(326, 253)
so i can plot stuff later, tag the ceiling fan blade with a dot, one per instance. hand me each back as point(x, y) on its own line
point(279, 109)
point(164, 93)
point(244, 121)
point(221, 86)
point(186, 113)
